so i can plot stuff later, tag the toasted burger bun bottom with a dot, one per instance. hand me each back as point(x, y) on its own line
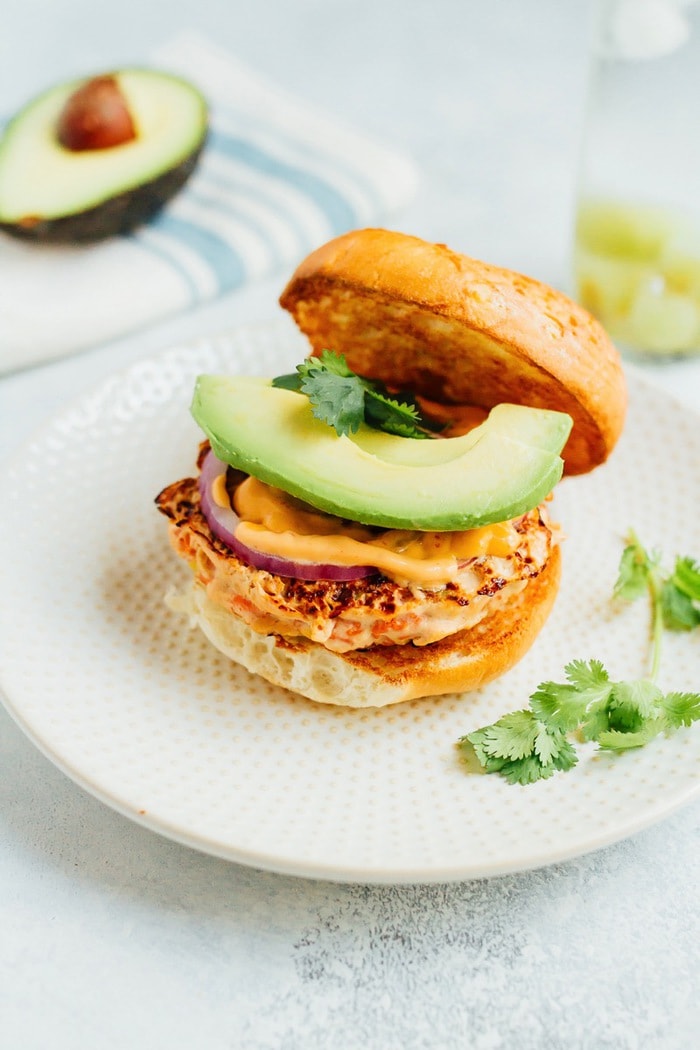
point(385, 674)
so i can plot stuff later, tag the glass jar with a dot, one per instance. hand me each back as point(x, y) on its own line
point(637, 237)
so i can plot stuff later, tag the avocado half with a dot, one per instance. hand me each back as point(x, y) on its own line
point(52, 193)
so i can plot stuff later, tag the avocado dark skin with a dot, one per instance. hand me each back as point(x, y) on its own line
point(120, 214)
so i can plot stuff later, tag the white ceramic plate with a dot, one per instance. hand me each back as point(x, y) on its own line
point(144, 714)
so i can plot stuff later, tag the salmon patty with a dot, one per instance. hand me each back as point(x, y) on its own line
point(358, 614)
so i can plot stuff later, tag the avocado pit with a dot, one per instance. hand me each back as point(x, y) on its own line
point(96, 116)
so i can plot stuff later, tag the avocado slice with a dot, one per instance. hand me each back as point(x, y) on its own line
point(497, 471)
point(50, 192)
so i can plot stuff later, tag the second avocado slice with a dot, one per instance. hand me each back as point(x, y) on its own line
point(499, 470)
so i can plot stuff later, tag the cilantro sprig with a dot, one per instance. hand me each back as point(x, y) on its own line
point(674, 596)
point(534, 743)
point(344, 400)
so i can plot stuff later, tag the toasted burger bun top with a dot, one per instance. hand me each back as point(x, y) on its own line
point(456, 330)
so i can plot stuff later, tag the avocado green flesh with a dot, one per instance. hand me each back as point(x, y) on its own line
point(46, 190)
point(499, 470)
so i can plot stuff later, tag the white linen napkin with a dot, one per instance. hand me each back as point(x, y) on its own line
point(276, 179)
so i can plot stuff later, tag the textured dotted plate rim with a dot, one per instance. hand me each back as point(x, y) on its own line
point(142, 714)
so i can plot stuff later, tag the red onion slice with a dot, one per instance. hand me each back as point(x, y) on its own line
point(223, 522)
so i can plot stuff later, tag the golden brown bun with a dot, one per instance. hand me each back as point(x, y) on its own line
point(387, 674)
point(419, 316)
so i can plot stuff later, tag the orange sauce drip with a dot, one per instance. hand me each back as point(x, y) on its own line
point(278, 524)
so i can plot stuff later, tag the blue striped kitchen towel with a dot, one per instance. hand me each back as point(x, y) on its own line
point(276, 179)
